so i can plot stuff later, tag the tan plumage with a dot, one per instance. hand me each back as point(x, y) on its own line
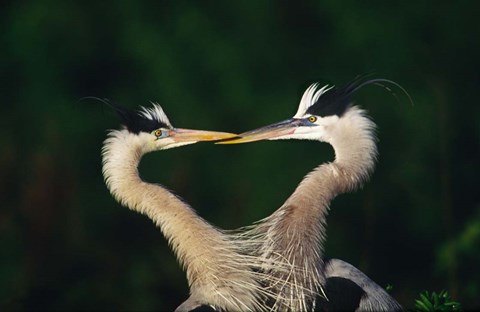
point(220, 271)
point(294, 234)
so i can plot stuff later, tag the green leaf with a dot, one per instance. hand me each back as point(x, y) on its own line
point(426, 301)
point(421, 306)
point(436, 299)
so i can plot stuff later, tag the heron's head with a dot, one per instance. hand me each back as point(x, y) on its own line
point(321, 112)
point(151, 127)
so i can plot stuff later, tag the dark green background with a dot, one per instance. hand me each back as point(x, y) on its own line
point(232, 66)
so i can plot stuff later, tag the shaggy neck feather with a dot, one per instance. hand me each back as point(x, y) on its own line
point(213, 264)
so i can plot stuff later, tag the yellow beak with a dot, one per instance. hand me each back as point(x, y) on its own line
point(186, 135)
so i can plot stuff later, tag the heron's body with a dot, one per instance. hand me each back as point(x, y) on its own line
point(219, 272)
point(294, 234)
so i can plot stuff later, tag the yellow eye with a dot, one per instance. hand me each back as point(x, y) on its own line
point(158, 133)
point(312, 118)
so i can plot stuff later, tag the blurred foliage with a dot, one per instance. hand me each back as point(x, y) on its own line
point(436, 302)
point(231, 66)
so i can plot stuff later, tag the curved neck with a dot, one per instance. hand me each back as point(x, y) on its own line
point(355, 153)
point(217, 267)
point(298, 228)
point(190, 237)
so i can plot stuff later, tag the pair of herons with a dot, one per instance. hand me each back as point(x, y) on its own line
point(277, 264)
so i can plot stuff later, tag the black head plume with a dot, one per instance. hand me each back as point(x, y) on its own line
point(146, 120)
point(335, 101)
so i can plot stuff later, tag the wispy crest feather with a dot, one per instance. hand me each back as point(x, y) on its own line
point(310, 97)
point(155, 113)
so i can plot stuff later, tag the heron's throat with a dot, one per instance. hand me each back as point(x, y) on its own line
point(190, 236)
point(355, 148)
point(183, 228)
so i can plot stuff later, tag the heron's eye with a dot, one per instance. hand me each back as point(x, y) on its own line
point(161, 133)
point(312, 119)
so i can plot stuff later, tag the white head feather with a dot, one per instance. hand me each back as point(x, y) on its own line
point(155, 113)
point(310, 97)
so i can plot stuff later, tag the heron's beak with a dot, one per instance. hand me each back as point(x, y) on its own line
point(269, 132)
point(190, 135)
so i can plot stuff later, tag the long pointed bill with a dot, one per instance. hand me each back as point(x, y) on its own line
point(190, 135)
point(269, 132)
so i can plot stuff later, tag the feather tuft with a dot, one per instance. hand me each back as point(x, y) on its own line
point(146, 120)
point(331, 100)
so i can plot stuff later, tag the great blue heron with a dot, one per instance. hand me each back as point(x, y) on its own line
point(221, 272)
point(295, 233)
